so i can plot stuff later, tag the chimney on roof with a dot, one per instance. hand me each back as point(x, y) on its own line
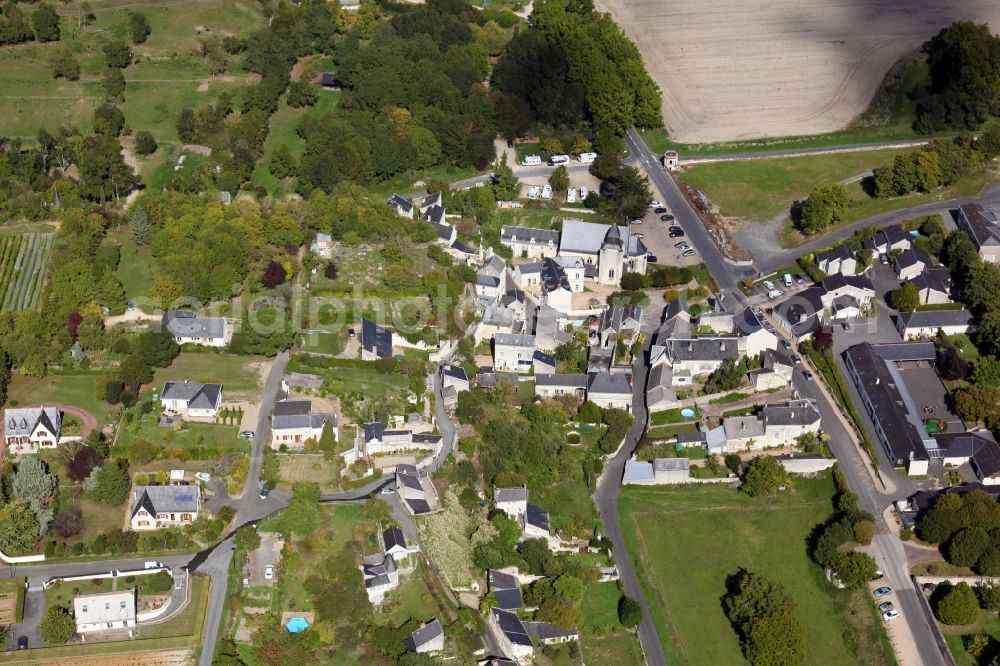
point(722, 345)
point(690, 345)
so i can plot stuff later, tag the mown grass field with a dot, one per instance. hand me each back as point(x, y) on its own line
point(764, 188)
point(76, 390)
point(168, 72)
point(238, 375)
point(686, 541)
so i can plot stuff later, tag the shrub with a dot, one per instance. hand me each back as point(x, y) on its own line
point(629, 612)
point(958, 605)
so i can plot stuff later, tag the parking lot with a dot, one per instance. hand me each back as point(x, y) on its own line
point(656, 238)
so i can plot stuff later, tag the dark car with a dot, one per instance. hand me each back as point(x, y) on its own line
point(22, 643)
point(651, 258)
point(676, 234)
point(797, 278)
point(265, 490)
point(808, 375)
point(660, 210)
point(666, 218)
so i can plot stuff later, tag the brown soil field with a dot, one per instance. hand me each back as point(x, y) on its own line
point(743, 69)
point(155, 658)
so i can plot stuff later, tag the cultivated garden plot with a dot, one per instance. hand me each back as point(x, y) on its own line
point(23, 259)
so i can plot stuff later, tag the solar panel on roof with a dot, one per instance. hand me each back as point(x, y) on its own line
point(184, 498)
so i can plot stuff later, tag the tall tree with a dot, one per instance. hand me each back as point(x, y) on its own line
point(139, 223)
point(45, 21)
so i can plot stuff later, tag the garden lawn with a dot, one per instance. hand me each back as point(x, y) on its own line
point(988, 624)
point(63, 592)
point(239, 375)
point(75, 390)
point(97, 517)
point(687, 541)
point(411, 599)
point(135, 268)
point(765, 188)
point(193, 434)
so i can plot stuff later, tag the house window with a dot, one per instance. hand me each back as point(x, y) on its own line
point(107, 606)
point(85, 608)
point(123, 605)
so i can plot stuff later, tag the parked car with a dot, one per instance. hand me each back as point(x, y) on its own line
point(674, 227)
point(636, 221)
point(152, 564)
point(768, 285)
point(651, 258)
point(882, 591)
point(203, 476)
point(246, 434)
point(796, 358)
point(676, 234)
point(22, 642)
point(351, 333)
point(265, 490)
point(886, 606)
point(269, 572)
point(878, 575)
point(655, 204)
point(639, 236)
point(388, 490)
point(667, 218)
point(774, 293)
point(786, 344)
point(661, 210)
point(808, 375)
point(798, 278)
point(884, 259)
point(688, 252)
point(890, 615)
point(681, 245)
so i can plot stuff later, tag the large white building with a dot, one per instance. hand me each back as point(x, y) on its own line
point(294, 423)
point(607, 251)
point(187, 328)
point(513, 352)
point(104, 611)
point(191, 399)
point(29, 429)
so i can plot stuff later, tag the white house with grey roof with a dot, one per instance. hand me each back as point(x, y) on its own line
point(191, 399)
point(555, 385)
point(294, 423)
point(402, 206)
point(611, 390)
point(925, 324)
point(774, 426)
point(511, 634)
point(549, 634)
point(428, 639)
point(513, 352)
point(660, 471)
point(512, 501)
point(104, 611)
point(156, 507)
point(380, 574)
point(933, 285)
point(30, 429)
point(506, 588)
point(982, 225)
point(839, 259)
point(187, 328)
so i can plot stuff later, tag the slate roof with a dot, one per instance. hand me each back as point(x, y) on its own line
point(699, 349)
point(393, 537)
point(22, 421)
point(435, 214)
point(299, 421)
point(166, 499)
point(905, 351)
point(444, 231)
point(418, 506)
point(747, 322)
point(840, 252)
point(546, 359)
point(912, 257)
point(506, 589)
point(588, 238)
point(517, 494)
point(529, 235)
point(487, 281)
point(889, 408)
point(511, 626)
point(185, 324)
point(454, 371)
point(373, 430)
point(619, 383)
point(553, 276)
point(500, 317)
point(400, 204)
point(937, 278)
point(292, 407)
point(795, 412)
point(740, 427)
point(198, 396)
point(936, 318)
point(983, 224)
point(376, 339)
point(424, 635)
point(329, 80)
point(839, 280)
point(545, 631)
point(578, 381)
point(514, 340)
point(537, 517)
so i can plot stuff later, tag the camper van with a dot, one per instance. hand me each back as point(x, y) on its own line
point(531, 160)
point(571, 195)
point(558, 159)
point(533, 192)
point(587, 158)
point(547, 192)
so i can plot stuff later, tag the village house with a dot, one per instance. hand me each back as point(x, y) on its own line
point(191, 399)
point(322, 246)
point(394, 543)
point(428, 639)
point(511, 634)
point(543, 363)
point(402, 205)
point(611, 390)
point(294, 423)
point(513, 353)
point(30, 429)
point(104, 611)
point(890, 238)
point(775, 372)
point(911, 263)
point(933, 285)
point(379, 441)
point(839, 259)
point(187, 328)
point(982, 225)
point(660, 471)
point(505, 588)
point(156, 507)
point(454, 376)
point(554, 386)
point(411, 490)
point(774, 426)
point(977, 448)
point(549, 634)
point(925, 324)
point(380, 574)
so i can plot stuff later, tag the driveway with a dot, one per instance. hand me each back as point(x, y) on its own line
point(34, 608)
point(269, 552)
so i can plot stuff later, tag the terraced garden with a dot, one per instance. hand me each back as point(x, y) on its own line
point(23, 258)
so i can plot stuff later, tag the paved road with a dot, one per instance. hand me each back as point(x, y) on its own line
point(802, 152)
point(780, 258)
point(606, 498)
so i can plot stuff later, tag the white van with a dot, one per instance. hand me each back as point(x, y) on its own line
point(533, 192)
point(774, 293)
point(787, 279)
point(587, 158)
point(531, 160)
point(556, 160)
point(583, 193)
point(547, 192)
point(571, 195)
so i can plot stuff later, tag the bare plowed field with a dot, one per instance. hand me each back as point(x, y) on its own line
point(742, 69)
